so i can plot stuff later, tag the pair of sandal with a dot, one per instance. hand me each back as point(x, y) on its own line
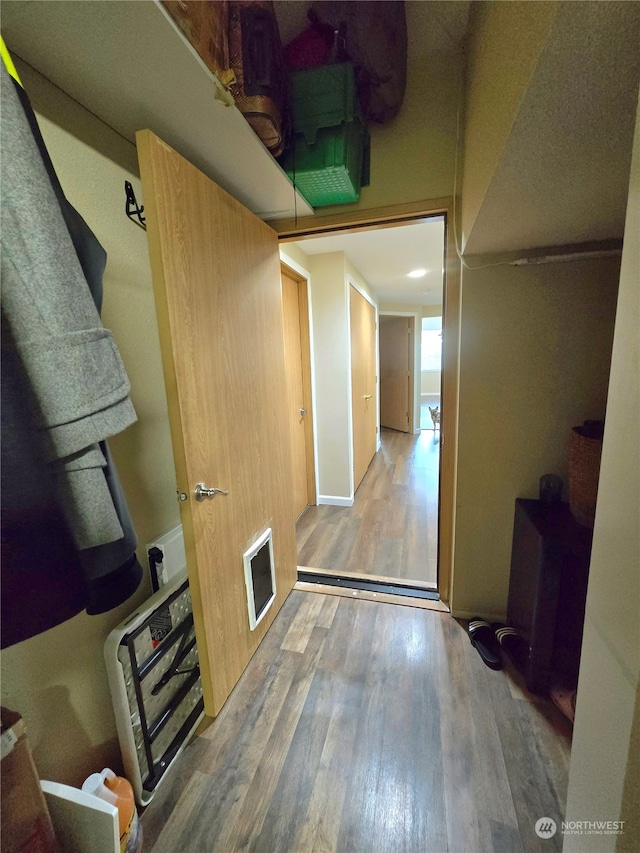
point(490, 638)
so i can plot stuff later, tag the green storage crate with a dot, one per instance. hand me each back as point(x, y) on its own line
point(324, 96)
point(332, 170)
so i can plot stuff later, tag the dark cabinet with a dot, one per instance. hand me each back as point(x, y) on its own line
point(548, 590)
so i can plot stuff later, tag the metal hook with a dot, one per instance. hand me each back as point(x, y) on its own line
point(131, 208)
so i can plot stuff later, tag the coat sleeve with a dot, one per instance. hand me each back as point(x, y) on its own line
point(77, 382)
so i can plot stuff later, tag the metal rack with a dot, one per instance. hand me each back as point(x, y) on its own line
point(154, 675)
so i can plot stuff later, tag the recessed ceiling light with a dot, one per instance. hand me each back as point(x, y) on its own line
point(417, 273)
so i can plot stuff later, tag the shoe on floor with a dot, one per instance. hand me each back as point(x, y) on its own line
point(514, 645)
point(483, 639)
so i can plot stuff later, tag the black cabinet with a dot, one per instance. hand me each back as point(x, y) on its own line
point(548, 590)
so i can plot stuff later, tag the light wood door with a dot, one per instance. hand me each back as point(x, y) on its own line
point(395, 372)
point(363, 383)
point(296, 354)
point(216, 275)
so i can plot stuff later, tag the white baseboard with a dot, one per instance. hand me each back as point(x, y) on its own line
point(331, 500)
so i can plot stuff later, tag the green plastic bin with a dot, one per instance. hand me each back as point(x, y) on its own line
point(324, 96)
point(334, 168)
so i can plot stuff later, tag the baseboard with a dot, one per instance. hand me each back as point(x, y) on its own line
point(467, 614)
point(332, 500)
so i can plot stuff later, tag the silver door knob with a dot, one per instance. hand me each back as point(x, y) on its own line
point(202, 492)
point(303, 411)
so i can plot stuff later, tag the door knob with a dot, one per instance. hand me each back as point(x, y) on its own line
point(367, 396)
point(303, 411)
point(202, 492)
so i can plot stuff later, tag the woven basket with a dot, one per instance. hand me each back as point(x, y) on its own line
point(585, 450)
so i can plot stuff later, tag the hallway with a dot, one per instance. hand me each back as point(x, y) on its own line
point(392, 528)
point(362, 726)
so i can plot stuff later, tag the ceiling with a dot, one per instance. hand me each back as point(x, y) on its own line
point(563, 174)
point(384, 256)
point(435, 26)
point(562, 177)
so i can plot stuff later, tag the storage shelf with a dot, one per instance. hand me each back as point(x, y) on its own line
point(128, 63)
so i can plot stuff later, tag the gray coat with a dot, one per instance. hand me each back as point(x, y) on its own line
point(77, 382)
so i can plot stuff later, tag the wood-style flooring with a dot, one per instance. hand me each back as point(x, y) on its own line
point(370, 728)
point(392, 528)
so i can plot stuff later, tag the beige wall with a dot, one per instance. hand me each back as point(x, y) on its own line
point(430, 381)
point(610, 669)
point(361, 284)
point(432, 310)
point(535, 352)
point(332, 367)
point(332, 373)
point(505, 42)
point(57, 680)
point(296, 254)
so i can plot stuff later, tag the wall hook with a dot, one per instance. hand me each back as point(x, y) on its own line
point(131, 208)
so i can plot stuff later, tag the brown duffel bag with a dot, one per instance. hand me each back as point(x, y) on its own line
point(256, 57)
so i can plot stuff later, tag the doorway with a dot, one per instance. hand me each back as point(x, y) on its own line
point(396, 372)
point(341, 529)
point(297, 346)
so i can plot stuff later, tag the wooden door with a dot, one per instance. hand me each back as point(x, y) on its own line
point(297, 365)
point(216, 275)
point(363, 383)
point(395, 372)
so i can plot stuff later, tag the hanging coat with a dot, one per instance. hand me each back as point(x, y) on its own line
point(67, 391)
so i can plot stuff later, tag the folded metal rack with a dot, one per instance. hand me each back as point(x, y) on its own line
point(154, 676)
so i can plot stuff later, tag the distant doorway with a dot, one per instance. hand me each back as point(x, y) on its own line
point(437, 286)
point(295, 310)
point(396, 372)
point(431, 373)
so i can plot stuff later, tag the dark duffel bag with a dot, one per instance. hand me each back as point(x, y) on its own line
point(375, 33)
point(256, 57)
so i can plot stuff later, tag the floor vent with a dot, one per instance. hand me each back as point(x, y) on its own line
point(388, 587)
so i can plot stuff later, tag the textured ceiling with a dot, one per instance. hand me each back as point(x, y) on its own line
point(563, 175)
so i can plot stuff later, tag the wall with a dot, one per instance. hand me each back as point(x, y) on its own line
point(57, 680)
point(332, 374)
point(296, 254)
point(504, 46)
point(361, 284)
point(430, 382)
point(610, 669)
point(534, 361)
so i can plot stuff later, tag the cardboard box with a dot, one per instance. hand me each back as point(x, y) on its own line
point(26, 825)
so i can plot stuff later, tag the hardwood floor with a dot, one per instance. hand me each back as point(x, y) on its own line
point(371, 728)
point(392, 528)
